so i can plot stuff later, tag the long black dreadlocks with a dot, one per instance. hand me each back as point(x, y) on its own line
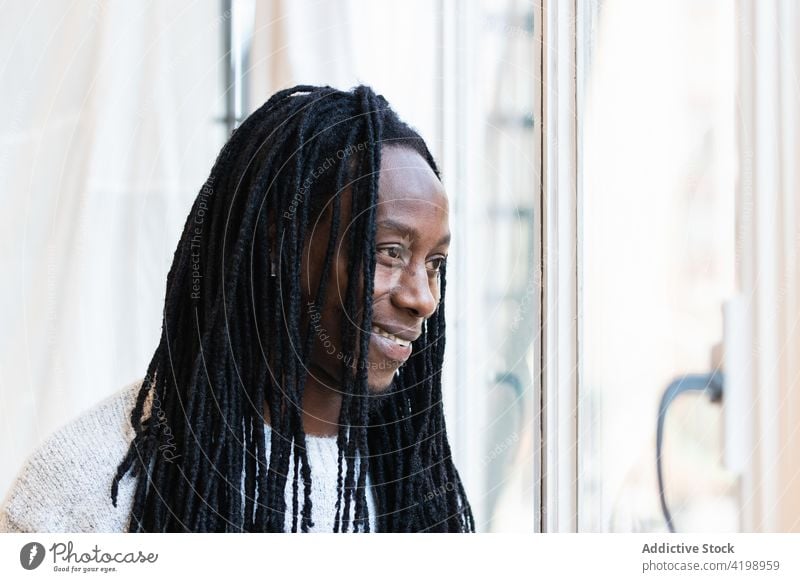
point(231, 341)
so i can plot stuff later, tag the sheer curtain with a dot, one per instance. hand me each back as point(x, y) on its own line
point(108, 131)
point(394, 47)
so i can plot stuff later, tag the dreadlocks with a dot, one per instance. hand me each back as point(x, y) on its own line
point(231, 341)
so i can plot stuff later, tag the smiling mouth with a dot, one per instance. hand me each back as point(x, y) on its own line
point(394, 338)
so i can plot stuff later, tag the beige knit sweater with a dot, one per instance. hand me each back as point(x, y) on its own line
point(64, 486)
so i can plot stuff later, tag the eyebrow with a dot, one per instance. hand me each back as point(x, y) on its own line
point(408, 231)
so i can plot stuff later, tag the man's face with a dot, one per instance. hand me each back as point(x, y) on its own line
point(412, 240)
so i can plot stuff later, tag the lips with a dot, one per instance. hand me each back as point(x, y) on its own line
point(383, 333)
point(391, 346)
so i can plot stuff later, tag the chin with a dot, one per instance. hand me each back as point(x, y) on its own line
point(380, 384)
point(381, 392)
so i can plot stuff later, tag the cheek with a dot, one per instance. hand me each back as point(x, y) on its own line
point(311, 271)
point(386, 278)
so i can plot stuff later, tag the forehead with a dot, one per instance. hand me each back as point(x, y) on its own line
point(409, 190)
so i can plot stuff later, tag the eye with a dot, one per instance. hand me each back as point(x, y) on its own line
point(394, 252)
point(435, 264)
point(396, 255)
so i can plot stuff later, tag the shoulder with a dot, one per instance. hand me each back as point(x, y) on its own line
point(65, 484)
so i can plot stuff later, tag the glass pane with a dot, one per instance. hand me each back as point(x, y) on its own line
point(658, 255)
point(510, 310)
point(493, 297)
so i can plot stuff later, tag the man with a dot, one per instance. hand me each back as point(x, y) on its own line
point(297, 382)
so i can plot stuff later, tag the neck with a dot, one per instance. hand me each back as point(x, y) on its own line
point(322, 403)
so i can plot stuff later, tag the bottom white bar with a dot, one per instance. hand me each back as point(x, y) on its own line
point(390, 557)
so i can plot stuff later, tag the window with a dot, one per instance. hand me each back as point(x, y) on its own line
point(657, 197)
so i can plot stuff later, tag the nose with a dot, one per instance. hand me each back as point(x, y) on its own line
point(416, 291)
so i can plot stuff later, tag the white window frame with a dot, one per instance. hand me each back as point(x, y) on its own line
point(560, 262)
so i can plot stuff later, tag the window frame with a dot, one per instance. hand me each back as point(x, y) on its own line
point(559, 363)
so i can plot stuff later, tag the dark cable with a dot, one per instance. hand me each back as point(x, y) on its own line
point(712, 384)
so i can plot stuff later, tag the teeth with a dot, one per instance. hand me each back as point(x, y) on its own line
point(394, 338)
